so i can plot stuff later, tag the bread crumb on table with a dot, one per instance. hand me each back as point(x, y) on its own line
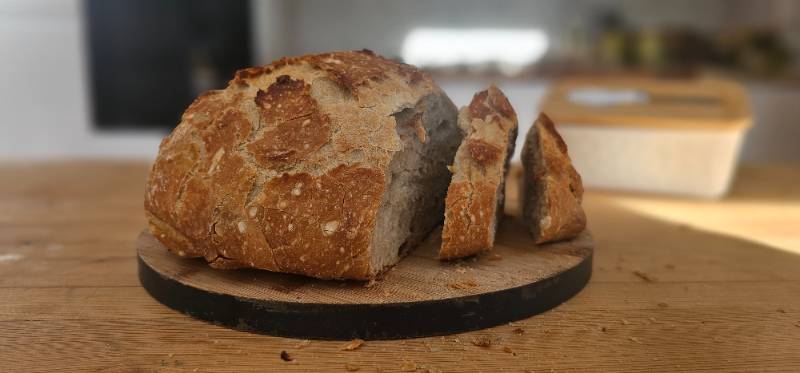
point(302, 343)
point(408, 366)
point(482, 341)
point(463, 285)
point(424, 369)
point(353, 345)
point(519, 331)
point(634, 339)
point(285, 356)
point(644, 276)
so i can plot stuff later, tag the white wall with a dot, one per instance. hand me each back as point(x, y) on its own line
point(44, 100)
point(321, 25)
point(43, 87)
point(775, 135)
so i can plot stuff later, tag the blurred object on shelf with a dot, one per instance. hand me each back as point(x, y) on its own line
point(759, 51)
point(681, 51)
point(650, 50)
point(612, 48)
point(653, 135)
point(609, 44)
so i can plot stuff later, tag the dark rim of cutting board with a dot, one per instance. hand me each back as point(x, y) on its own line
point(379, 321)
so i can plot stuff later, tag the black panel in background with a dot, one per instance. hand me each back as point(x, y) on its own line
point(149, 59)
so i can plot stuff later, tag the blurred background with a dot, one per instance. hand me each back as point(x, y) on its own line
point(109, 79)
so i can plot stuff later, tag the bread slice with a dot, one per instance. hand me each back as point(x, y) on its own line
point(474, 201)
point(324, 165)
point(551, 190)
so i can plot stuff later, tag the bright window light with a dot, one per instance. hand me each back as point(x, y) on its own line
point(510, 49)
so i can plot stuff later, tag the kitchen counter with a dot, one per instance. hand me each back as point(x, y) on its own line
point(678, 285)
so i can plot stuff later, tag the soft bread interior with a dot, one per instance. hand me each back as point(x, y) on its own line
point(552, 190)
point(413, 204)
point(535, 205)
point(501, 189)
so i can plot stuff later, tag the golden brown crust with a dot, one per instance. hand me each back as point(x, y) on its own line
point(291, 123)
point(311, 225)
point(489, 102)
point(349, 68)
point(548, 126)
point(468, 215)
point(483, 152)
point(474, 198)
point(552, 190)
point(265, 174)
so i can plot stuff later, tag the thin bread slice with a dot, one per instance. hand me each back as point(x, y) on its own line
point(474, 200)
point(551, 189)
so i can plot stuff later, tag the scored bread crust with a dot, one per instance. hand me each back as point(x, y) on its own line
point(552, 190)
point(287, 167)
point(474, 202)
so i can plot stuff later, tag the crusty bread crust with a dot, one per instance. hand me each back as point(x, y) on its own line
point(551, 188)
point(474, 201)
point(286, 168)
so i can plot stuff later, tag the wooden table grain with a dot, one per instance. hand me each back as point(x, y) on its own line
point(678, 285)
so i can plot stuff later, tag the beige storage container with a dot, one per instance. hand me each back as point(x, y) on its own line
point(652, 135)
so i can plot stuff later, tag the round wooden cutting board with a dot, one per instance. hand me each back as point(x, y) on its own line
point(421, 296)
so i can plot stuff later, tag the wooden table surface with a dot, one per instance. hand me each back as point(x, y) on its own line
point(678, 285)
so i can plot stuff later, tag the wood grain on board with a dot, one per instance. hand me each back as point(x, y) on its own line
point(515, 261)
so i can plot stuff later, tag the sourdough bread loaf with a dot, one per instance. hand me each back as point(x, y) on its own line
point(324, 165)
point(551, 190)
point(475, 196)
